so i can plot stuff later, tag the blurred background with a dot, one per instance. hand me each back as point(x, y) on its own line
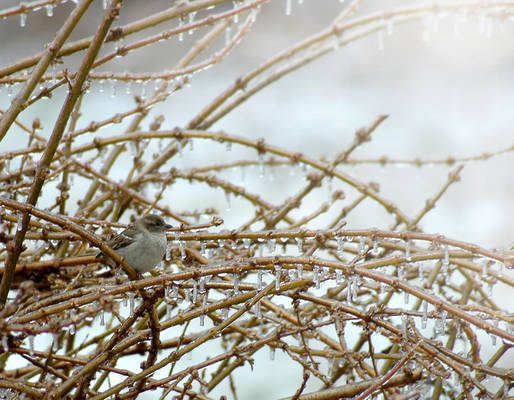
point(445, 80)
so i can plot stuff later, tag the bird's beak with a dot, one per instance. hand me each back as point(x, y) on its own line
point(168, 226)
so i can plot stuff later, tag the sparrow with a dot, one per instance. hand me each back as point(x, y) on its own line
point(142, 244)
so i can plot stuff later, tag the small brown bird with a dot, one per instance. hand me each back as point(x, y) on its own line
point(143, 243)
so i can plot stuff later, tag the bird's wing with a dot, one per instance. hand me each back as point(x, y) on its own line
point(125, 238)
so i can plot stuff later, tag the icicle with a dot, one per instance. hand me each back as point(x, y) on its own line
point(389, 27)
point(31, 345)
point(261, 165)
point(236, 284)
point(131, 301)
point(195, 292)
point(128, 87)
point(180, 245)
point(191, 18)
point(258, 310)
point(5, 343)
point(167, 256)
point(362, 245)
point(104, 4)
point(124, 300)
point(187, 297)
point(374, 247)
point(288, 7)
point(203, 279)
point(227, 198)
point(113, 89)
point(299, 271)
point(228, 31)
point(355, 289)
point(224, 313)
point(102, 317)
point(23, 19)
point(203, 247)
point(424, 317)
point(299, 244)
point(408, 257)
point(339, 276)
point(169, 310)
point(315, 278)
point(405, 298)
point(440, 323)
point(278, 271)
point(246, 243)
point(272, 353)
point(204, 306)
point(49, 10)
point(340, 246)
point(292, 274)
point(271, 244)
point(404, 326)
